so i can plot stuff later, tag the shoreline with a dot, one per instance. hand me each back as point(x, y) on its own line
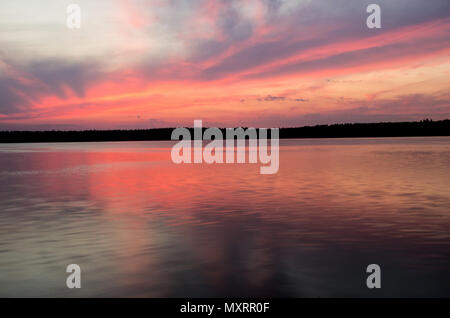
point(424, 128)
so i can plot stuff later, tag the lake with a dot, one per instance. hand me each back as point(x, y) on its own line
point(139, 225)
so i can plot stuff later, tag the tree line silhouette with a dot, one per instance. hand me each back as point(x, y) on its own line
point(425, 127)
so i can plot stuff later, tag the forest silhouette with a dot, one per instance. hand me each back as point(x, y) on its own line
point(425, 127)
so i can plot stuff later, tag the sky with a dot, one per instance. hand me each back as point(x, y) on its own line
point(261, 63)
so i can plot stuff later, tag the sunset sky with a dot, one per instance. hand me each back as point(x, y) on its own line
point(263, 63)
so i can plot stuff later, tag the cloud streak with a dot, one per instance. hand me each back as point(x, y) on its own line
point(174, 61)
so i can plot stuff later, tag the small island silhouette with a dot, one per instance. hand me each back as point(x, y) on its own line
point(425, 127)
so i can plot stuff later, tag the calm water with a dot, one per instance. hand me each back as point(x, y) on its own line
point(139, 225)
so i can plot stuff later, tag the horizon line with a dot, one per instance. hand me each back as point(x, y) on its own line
point(426, 120)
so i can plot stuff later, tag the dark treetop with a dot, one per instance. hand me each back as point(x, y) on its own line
point(385, 129)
